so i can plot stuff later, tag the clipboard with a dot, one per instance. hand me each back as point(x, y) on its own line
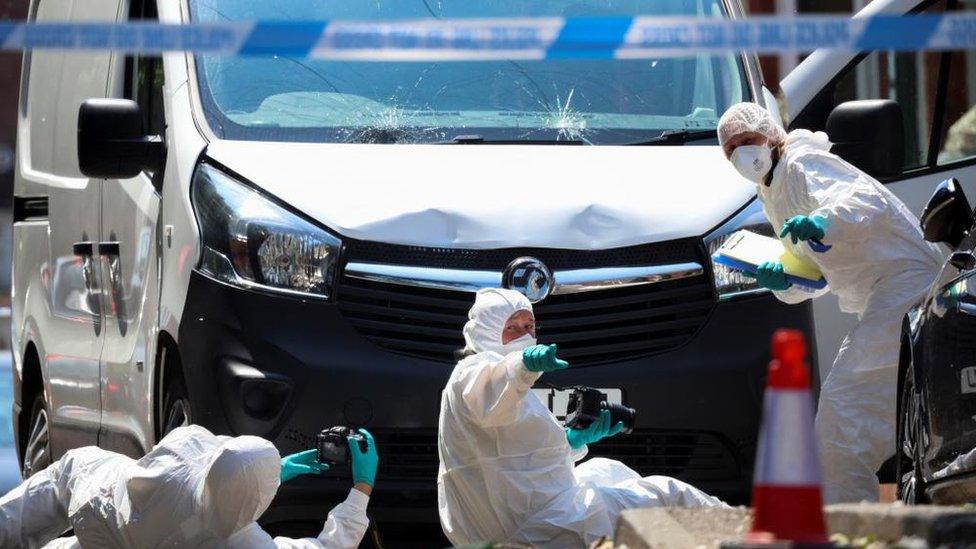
point(745, 251)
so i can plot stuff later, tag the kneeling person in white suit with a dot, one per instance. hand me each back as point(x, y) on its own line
point(507, 467)
point(193, 489)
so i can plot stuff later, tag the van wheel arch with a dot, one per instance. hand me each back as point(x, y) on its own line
point(169, 395)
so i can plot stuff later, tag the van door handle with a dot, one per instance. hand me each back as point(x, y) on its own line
point(83, 249)
point(108, 248)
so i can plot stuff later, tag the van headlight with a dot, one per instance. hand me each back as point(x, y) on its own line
point(729, 282)
point(249, 241)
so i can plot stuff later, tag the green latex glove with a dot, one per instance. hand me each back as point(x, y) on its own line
point(364, 464)
point(302, 463)
point(542, 358)
point(803, 227)
point(771, 275)
point(597, 430)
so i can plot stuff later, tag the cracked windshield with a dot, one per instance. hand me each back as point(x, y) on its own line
point(591, 101)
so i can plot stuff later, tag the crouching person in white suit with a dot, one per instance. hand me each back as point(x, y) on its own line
point(507, 467)
point(193, 489)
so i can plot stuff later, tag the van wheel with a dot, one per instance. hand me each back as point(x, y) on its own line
point(176, 406)
point(37, 451)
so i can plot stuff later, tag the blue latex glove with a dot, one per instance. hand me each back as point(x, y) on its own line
point(364, 464)
point(542, 358)
point(803, 227)
point(771, 275)
point(302, 463)
point(597, 430)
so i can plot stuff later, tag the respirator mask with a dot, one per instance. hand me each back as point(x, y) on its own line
point(753, 162)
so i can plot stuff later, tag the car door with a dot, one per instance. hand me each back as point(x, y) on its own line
point(128, 262)
point(935, 90)
point(70, 339)
point(945, 368)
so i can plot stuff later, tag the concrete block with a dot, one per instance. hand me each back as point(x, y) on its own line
point(679, 528)
point(892, 522)
point(708, 528)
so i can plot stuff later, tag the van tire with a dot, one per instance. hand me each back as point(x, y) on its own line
point(37, 449)
point(176, 405)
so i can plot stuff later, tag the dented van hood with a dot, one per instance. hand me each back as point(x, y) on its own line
point(497, 196)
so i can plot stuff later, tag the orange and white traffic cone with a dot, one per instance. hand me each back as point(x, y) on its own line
point(786, 497)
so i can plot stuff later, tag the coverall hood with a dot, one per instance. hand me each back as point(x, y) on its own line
point(240, 482)
point(486, 320)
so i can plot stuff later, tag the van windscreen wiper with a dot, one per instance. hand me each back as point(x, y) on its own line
point(480, 140)
point(676, 137)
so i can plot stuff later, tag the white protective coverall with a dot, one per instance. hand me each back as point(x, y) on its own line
point(194, 489)
point(879, 266)
point(506, 469)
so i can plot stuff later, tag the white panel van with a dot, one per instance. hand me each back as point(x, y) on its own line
point(273, 245)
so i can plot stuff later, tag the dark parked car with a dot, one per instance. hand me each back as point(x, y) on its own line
point(937, 375)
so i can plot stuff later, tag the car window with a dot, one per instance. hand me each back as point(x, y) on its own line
point(958, 139)
point(910, 78)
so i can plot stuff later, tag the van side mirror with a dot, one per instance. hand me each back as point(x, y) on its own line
point(112, 140)
point(947, 217)
point(869, 134)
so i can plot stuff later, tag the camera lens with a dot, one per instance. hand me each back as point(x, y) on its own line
point(624, 414)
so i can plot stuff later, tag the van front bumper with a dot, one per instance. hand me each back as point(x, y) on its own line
point(286, 368)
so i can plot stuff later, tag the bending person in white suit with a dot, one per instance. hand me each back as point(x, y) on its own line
point(877, 264)
point(193, 489)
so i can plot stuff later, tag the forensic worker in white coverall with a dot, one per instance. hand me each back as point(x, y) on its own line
point(507, 467)
point(871, 252)
point(193, 489)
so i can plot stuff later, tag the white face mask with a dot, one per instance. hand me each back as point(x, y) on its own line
point(518, 344)
point(753, 161)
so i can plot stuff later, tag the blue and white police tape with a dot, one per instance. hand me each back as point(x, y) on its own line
point(517, 38)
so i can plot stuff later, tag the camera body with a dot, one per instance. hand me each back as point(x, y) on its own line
point(332, 446)
point(585, 405)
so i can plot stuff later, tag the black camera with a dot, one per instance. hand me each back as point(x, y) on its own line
point(332, 445)
point(585, 405)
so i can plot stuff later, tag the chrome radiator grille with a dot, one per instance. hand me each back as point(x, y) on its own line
point(590, 327)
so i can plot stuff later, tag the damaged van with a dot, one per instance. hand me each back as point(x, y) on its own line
point(273, 245)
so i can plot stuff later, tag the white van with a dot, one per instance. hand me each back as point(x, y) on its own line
point(275, 245)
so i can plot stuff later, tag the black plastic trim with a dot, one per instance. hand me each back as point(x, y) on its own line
point(108, 248)
point(30, 208)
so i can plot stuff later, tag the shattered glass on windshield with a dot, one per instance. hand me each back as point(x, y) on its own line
point(586, 101)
